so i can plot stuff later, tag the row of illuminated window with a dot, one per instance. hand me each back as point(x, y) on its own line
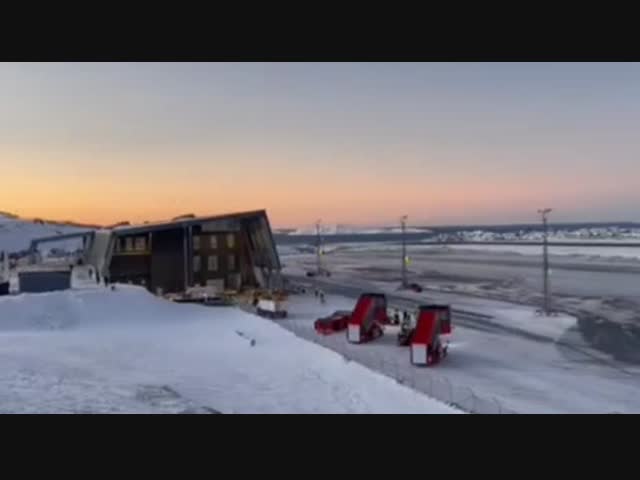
point(230, 239)
point(131, 244)
point(212, 263)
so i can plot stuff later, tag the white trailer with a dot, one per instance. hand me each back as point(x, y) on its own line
point(272, 308)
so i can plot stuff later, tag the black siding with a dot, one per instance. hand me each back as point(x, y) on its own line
point(167, 261)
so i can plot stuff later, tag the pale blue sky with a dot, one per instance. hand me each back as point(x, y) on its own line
point(351, 143)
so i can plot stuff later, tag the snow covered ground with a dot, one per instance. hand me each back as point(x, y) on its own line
point(499, 275)
point(621, 252)
point(97, 350)
point(516, 359)
point(490, 370)
point(595, 251)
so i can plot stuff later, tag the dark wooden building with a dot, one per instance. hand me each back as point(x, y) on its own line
point(231, 251)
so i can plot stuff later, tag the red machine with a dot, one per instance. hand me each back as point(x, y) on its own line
point(445, 317)
point(365, 323)
point(427, 347)
point(407, 327)
point(335, 322)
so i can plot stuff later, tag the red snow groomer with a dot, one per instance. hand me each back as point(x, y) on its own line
point(365, 323)
point(408, 325)
point(427, 346)
point(335, 322)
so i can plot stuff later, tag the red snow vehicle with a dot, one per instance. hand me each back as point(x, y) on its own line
point(444, 312)
point(408, 328)
point(335, 322)
point(427, 348)
point(365, 323)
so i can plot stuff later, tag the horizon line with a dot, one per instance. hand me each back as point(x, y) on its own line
point(337, 224)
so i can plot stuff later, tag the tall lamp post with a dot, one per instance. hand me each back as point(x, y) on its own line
point(403, 224)
point(318, 249)
point(545, 259)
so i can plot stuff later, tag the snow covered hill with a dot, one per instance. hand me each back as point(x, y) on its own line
point(98, 350)
point(555, 234)
point(16, 233)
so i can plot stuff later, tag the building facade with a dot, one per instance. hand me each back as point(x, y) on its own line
point(233, 251)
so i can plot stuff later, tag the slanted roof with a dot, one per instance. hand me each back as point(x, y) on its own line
point(185, 222)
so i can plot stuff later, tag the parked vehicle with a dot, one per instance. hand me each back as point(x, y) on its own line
point(335, 322)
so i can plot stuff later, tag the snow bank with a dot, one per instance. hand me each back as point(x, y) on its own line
point(128, 351)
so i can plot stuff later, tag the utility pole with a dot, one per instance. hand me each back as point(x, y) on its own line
point(545, 261)
point(403, 223)
point(318, 249)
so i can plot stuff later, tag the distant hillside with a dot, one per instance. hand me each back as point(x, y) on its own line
point(16, 233)
point(7, 214)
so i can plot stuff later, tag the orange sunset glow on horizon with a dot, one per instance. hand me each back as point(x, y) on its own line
point(356, 144)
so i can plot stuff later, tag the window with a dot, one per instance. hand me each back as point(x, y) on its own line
point(128, 244)
point(213, 242)
point(231, 240)
point(212, 263)
point(196, 242)
point(196, 263)
point(231, 262)
point(141, 244)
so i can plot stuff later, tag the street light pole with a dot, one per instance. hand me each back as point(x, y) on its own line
point(545, 259)
point(318, 249)
point(403, 223)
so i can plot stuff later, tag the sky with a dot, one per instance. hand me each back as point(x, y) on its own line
point(346, 143)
